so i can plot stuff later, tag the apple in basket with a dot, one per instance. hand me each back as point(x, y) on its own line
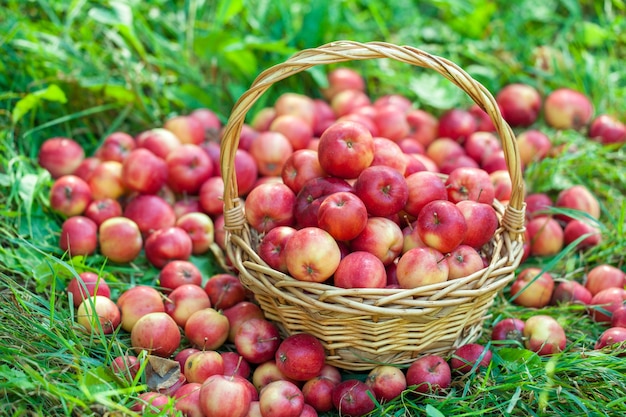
point(383, 190)
point(345, 149)
point(421, 266)
point(441, 225)
point(312, 254)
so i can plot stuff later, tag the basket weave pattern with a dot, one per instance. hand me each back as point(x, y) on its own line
point(361, 328)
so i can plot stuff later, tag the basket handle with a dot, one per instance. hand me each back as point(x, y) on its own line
point(342, 51)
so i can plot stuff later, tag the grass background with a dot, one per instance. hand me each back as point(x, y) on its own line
point(84, 69)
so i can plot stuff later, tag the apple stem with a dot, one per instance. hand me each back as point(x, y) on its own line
point(408, 222)
point(445, 255)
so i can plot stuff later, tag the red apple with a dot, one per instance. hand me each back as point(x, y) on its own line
point(383, 190)
point(577, 197)
point(570, 292)
point(481, 220)
point(347, 102)
point(466, 183)
point(150, 402)
point(508, 329)
point(98, 312)
point(575, 229)
point(207, 329)
point(607, 129)
point(281, 399)
point(157, 333)
point(386, 382)
point(179, 272)
point(537, 204)
point(235, 364)
point(116, 147)
point(267, 372)
point(545, 235)
point(200, 228)
point(272, 245)
point(604, 303)
point(262, 119)
point(502, 184)
point(421, 266)
point(185, 300)
point(353, 398)
point(187, 400)
point(464, 261)
point(613, 338)
point(186, 128)
point(270, 150)
point(183, 354)
point(618, 317)
point(532, 288)
point(442, 149)
point(441, 225)
point(424, 187)
point(604, 276)
point(533, 146)
point(188, 166)
point(165, 245)
point(296, 104)
point(185, 205)
point(345, 149)
point(360, 269)
point(159, 141)
point(429, 373)
point(383, 237)
point(324, 117)
point(70, 195)
point(60, 156)
point(270, 205)
point(343, 215)
point(301, 166)
point(318, 391)
point(107, 181)
point(150, 213)
point(519, 104)
point(86, 168)
point(298, 131)
point(126, 367)
point(238, 314)
point(257, 340)
point(225, 396)
point(209, 119)
point(565, 108)
point(211, 196)
point(388, 153)
point(144, 172)
point(424, 126)
point(203, 364)
point(300, 356)
point(390, 119)
point(79, 236)
point(225, 290)
point(100, 210)
point(470, 356)
point(311, 196)
point(456, 124)
point(136, 302)
point(119, 239)
point(544, 335)
point(312, 254)
point(343, 78)
point(87, 284)
point(480, 144)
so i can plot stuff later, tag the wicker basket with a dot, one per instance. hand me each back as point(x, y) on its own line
point(361, 328)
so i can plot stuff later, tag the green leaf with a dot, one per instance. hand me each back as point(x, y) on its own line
point(51, 93)
point(16, 378)
point(435, 91)
point(227, 9)
point(433, 412)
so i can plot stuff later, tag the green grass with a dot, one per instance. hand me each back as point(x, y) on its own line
point(84, 69)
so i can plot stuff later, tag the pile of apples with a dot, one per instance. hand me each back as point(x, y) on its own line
point(343, 189)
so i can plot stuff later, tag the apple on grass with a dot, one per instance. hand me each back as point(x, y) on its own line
point(107, 181)
point(207, 329)
point(605, 302)
point(60, 156)
point(441, 225)
point(150, 402)
point(187, 399)
point(188, 166)
point(177, 273)
point(116, 147)
point(85, 285)
point(202, 364)
point(185, 300)
point(225, 396)
point(545, 235)
point(345, 149)
point(79, 236)
point(184, 354)
point(257, 340)
point(126, 367)
point(136, 302)
point(150, 213)
point(544, 335)
point(225, 290)
point(533, 288)
point(98, 312)
point(318, 391)
point(618, 317)
point(429, 374)
point(166, 245)
point(156, 333)
point(144, 172)
point(421, 266)
point(238, 314)
point(281, 398)
point(86, 168)
point(509, 329)
point(300, 356)
point(604, 276)
point(100, 210)
point(519, 103)
point(607, 129)
point(613, 338)
point(570, 292)
point(312, 254)
point(575, 229)
point(70, 195)
point(353, 397)
point(577, 197)
point(235, 364)
point(119, 239)
point(533, 145)
point(470, 356)
point(565, 108)
point(267, 372)
point(386, 382)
